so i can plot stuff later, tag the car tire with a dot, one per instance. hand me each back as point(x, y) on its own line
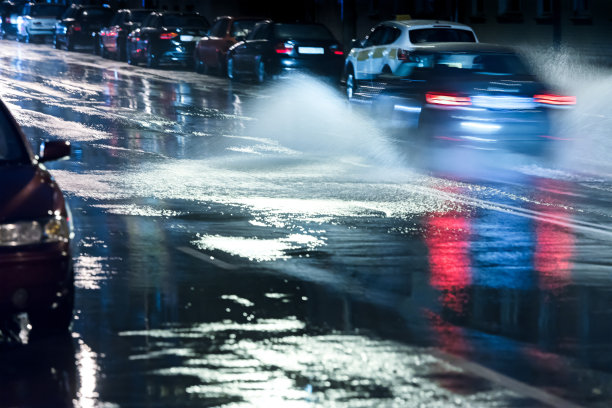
point(231, 73)
point(54, 319)
point(128, 54)
point(152, 61)
point(350, 83)
point(260, 71)
point(68, 43)
point(122, 51)
point(56, 43)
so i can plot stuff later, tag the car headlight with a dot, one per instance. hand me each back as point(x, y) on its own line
point(54, 229)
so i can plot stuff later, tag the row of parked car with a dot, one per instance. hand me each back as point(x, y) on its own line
point(253, 47)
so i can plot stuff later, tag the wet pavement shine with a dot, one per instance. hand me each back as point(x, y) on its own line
point(267, 246)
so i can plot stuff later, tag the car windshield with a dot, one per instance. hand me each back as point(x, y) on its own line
point(480, 63)
point(139, 15)
point(46, 10)
point(102, 14)
point(11, 145)
point(242, 28)
point(184, 21)
point(428, 35)
point(302, 32)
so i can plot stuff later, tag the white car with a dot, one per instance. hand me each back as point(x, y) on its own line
point(389, 44)
point(38, 20)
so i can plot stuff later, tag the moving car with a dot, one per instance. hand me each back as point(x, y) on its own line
point(475, 95)
point(390, 43)
point(274, 48)
point(10, 11)
point(79, 26)
point(112, 40)
point(35, 232)
point(38, 21)
point(211, 50)
point(166, 37)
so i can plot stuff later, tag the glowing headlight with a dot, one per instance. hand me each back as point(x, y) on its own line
point(54, 229)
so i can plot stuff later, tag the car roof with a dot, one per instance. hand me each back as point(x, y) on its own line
point(430, 23)
point(464, 47)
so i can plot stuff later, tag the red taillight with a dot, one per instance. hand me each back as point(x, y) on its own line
point(447, 99)
point(284, 48)
point(112, 34)
point(168, 36)
point(550, 99)
point(338, 52)
point(76, 27)
point(402, 55)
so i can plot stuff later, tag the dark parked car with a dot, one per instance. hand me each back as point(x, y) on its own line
point(38, 21)
point(10, 11)
point(35, 232)
point(472, 95)
point(273, 48)
point(79, 26)
point(112, 40)
point(211, 50)
point(166, 37)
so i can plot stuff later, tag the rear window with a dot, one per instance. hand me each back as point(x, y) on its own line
point(102, 14)
point(480, 63)
point(428, 35)
point(242, 28)
point(302, 32)
point(44, 10)
point(138, 16)
point(184, 21)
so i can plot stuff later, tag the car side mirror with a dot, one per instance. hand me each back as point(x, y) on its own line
point(54, 150)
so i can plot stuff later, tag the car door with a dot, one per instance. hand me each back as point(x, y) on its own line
point(244, 52)
point(363, 66)
point(214, 42)
point(379, 52)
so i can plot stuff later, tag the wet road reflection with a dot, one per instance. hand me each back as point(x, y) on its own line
point(243, 246)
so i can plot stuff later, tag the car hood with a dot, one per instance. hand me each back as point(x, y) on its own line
point(28, 192)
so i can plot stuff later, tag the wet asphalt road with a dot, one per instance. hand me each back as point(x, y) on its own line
point(245, 246)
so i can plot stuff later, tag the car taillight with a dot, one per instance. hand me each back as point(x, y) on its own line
point(284, 48)
point(402, 55)
point(447, 99)
point(551, 99)
point(76, 27)
point(335, 50)
point(168, 36)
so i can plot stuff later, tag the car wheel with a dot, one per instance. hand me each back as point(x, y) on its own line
point(198, 65)
point(56, 43)
point(68, 43)
point(122, 51)
point(350, 83)
point(128, 54)
point(231, 74)
point(53, 319)
point(260, 71)
point(151, 58)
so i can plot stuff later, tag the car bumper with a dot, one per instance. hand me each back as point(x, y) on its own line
point(328, 67)
point(523, 132)
point(34, 278)
point(176, 52)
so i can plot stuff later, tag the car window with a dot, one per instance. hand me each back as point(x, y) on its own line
point(478, 63)
point(393, 34)
point(242, 28)
point(117, 19)
point(259, 32)
point(376, 37)
point(11, 145)
point(302, 32)
point(175, 20)
point(71, 12)
point(102, 15)
point(219, 28)
point(427, 35)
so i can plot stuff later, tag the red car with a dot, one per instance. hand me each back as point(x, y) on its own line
point(211, 51)
point(36, 271)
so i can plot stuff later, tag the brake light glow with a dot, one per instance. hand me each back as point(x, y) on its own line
point(167, 36)
point(338, 52)
point(445, 99)
point(551, 99)
point(284, 48)
point(76, 27)
point(402, 55)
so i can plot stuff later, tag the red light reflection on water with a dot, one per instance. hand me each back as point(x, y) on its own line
point(450, 271)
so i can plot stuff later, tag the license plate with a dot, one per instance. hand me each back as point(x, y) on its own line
point(188, 38)
point(311, 50)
